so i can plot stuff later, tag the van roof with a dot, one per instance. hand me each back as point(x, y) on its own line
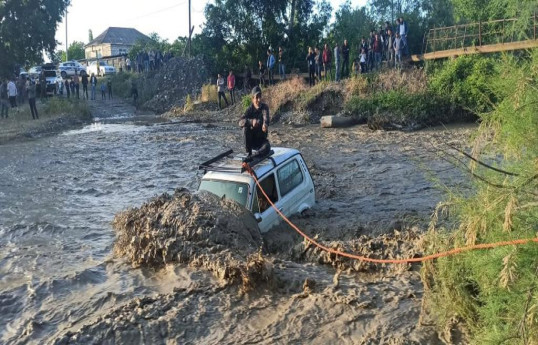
point(233, 165)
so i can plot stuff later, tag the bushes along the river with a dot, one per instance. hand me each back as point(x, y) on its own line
point(494, 293)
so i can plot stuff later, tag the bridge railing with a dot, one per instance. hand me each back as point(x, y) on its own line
point(480, 34)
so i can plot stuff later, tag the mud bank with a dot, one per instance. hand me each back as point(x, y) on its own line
point(17, 130)
point(200, 230)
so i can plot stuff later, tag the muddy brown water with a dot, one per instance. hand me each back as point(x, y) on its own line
point(60, 282)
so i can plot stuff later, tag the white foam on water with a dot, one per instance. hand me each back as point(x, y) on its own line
point(104, 128)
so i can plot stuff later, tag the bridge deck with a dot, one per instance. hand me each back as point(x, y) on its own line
point(490, 48)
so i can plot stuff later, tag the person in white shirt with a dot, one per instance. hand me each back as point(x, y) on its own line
point(12, 93)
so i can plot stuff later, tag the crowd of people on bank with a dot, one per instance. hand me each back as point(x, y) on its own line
point(388, 45)
point(14, 92)
point(147, 60)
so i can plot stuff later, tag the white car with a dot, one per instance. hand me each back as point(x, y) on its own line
point(34, 71)
point(69, 68)
point(283, 176)
point(104, 69)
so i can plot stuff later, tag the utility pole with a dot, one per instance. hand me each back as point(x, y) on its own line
point(66, 44)
point(190, 31)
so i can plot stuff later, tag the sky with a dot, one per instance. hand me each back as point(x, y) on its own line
point(168, 18)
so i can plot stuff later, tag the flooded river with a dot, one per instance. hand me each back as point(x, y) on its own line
point(58, 196)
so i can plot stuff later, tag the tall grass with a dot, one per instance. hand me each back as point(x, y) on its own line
point(209, 93)
point(65, 106)
point(494, 293)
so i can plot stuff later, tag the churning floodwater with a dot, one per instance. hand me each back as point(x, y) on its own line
point(59, 278)
point(58, 196)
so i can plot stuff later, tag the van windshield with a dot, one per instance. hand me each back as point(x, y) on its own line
point(230, 190)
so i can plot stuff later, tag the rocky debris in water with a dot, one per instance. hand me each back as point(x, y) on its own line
point(173, 82)
point(199, 229)
point(398, 245)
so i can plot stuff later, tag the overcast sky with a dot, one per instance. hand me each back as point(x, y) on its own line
point(168, 18)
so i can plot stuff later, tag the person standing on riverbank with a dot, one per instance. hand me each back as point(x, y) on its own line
point(336, 62)
point(398, 51)
point(231, 86)
point(109, 87)
point(311, 62)
point(327, 59)
point(403, 31)
point(345, 60)
point(67, 88)
point(255, 125)
point(12, 93)
point(262, 73)
point(93, 83)
point(103, 90)
point(31, 89)
point(281, 64)
point(76, 81)
point(221, 86)
point(84, 79)
point(4, 99)
point(270, 67)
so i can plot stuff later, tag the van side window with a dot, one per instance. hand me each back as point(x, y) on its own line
point(289, 177)
point(260, 203)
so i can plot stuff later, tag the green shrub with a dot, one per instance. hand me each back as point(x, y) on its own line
point(466, 81)
point(65, 106)
point(122, 83)
point(402, 108)
point(246, 101)
point(494, 293)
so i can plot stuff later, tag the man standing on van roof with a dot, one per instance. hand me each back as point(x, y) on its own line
point(255, 124)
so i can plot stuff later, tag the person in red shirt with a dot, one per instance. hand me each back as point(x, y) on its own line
point(327, 59)
point(231, 85)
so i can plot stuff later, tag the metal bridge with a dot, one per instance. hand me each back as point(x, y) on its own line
point(482, 37)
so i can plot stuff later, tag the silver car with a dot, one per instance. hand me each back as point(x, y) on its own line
point(69, 68)
point(283, 176)
point(101, 69)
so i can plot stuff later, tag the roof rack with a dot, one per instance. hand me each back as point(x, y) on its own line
point(209, 165)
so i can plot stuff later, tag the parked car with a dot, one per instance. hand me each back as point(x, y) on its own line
point(51, 79)
point(69, 68)
point(283, 176)
point(103, 69)
point(34, 72)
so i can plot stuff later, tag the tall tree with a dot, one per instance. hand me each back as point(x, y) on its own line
point(238, 32)
point(27, 28)
point(90, 35)
point(75, 51)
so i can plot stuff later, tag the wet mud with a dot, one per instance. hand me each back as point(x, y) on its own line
point(213, 278)
point(199, 229)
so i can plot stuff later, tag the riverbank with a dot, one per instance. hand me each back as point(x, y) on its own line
point(55, 115)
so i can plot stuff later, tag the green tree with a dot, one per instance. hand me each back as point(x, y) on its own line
point(484, 10)
point(239, 32)
point(90, 35)
point(75, 50)
point(420, 15)
point(155, 42)
point(351, 24)
point(27, 29)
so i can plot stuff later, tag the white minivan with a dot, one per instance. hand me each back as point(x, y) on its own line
point(283, 176)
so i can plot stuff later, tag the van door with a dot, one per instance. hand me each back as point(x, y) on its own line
point(295, 185)
point(260, 204)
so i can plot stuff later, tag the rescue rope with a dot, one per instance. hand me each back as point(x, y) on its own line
point(386, 261)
